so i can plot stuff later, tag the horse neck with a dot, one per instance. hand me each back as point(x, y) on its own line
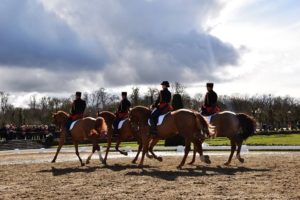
point(108, 116)
point(64, 118)
point(144, 114)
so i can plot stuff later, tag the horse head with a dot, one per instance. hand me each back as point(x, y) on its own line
point(139, 115)
point(100, 125)
point(60, 118)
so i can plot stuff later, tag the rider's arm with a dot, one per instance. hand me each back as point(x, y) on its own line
point(157, 100)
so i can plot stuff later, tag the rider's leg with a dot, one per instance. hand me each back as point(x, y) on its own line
point(115, 125)
point(153, 120)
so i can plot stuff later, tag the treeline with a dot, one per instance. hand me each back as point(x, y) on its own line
point(272, 111)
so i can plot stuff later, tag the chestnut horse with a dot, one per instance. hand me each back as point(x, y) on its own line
point(236, 127)
point(125, 133)
point(189, 124)
point(86, 128)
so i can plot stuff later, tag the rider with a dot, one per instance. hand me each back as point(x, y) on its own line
point(210, 106)
point(77, 110)
point(162, 105)
point(122, 112)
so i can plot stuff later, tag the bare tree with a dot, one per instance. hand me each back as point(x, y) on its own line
point(135, 96)
point(4, 101)
point(152, 94)
point(178, 88)
point(33, 102)
point(99, 98)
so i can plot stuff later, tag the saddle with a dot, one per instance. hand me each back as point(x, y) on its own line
point(72, 125)
point(160, 119)
point(121, 123)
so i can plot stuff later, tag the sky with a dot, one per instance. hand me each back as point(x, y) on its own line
point(57, 47)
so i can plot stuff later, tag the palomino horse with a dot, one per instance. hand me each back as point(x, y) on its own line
point(236, 127)
point(189, 124)
point(86, 128)
point(125, 133)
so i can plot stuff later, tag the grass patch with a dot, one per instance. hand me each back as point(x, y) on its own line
point(267, 140)
point(261, 140)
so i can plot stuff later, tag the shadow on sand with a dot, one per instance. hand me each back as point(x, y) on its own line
point(64, 171)
point(193, 172)
point(119, 167)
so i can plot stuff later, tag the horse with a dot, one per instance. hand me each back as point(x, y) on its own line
point(236, 127)
point(125, 133)
point(86, 128)
point(191, 125)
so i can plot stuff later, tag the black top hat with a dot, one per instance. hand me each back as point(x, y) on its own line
point(124, 93)
point(165, 83)
point(78, 94)
point(209, 85)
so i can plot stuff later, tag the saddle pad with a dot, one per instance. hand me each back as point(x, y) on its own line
point(160, 119)
point(72, 125)
point(121, 123)
point(207, 118)
point(91, 118)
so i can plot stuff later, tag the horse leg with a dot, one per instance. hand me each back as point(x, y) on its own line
point(90, 156)
point(233, 147)
point(151, 146)
point(148, 154)
point(120, 151)
point(238, 153)
point(145, 143)
point(61, 143)
point(107, 149)
point(77, 153)
point(186, 153)
point(194, 156)
point(137, 154)
point(199, 149)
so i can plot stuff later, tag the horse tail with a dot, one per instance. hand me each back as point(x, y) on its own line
point(200, 123)
point(247, 125)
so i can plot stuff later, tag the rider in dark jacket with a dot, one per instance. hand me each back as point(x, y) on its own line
point(122, 112)
point(162, 106)
point(210, 102)
point(77, 110)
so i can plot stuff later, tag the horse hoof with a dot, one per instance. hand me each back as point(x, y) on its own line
point(191, 163)
point(242, 160)
point(227, 163)
point(82, 164)
point(207, 161)
point(160, 159)
point(179, 167)
point(133, 162)
point(126, 153)
point(53, 161)
point(150, 156)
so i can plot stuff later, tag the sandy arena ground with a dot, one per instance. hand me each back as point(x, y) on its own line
point(262, 176)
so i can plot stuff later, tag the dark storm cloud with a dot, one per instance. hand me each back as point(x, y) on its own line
point(110, 42)
point(32, 37)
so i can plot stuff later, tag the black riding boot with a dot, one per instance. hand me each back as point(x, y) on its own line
point(116, 132)
point(153, 128)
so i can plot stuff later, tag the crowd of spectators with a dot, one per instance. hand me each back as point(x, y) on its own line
point(24, 132)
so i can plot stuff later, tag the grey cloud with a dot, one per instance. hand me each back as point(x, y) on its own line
point(112, 43)
point(32, 37)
